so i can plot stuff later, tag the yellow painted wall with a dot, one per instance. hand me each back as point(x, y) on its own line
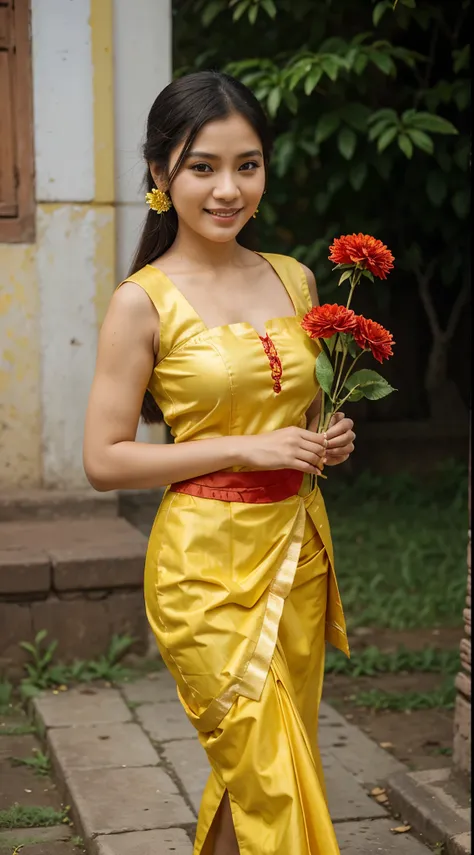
point(20, 360)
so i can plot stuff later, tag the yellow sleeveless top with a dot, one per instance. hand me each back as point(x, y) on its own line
point(217, 573)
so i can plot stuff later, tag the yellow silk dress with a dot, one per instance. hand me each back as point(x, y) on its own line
point(242, 597)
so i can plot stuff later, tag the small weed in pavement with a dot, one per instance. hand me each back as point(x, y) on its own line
point(44, 673)
point(40, 762)
point(6, 697)
point(18, 730)
point(22, 816)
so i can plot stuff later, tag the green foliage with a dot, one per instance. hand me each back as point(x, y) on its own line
point(400, 547)
point(372, 661)
point(6, 696)
point(18, 730)
point(371, 118)
point(43, 672)
point(39, 762)
point(21, 816)
point(442, 698)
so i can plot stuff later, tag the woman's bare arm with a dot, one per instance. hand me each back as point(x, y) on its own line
point(125, 361)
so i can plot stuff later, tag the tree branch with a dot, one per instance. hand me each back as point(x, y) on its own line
point(459, 303)
point(424, 292)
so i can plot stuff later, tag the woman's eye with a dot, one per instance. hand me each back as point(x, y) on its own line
point(250, 165)
point(201, 167)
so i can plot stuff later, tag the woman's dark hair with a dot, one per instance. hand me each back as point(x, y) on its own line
point(177, 116)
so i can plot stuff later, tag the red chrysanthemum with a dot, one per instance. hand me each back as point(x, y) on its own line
point(364, 251)
point(325, 321)
point(370, 335)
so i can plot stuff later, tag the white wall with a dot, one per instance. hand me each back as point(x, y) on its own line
point(143, 66)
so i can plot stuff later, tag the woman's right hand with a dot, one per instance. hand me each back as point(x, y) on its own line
point(287, 448)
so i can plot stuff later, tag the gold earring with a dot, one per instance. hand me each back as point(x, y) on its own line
point(158, 201)
point(255, 213)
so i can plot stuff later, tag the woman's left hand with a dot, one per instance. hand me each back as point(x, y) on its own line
point(341, 444)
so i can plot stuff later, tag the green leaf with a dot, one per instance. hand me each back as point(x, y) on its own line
point(240, 9)
point(330, 342)
point(211, 11)
point(313, 79)
point(372, 384)
point(379, 11)
point(385, 113)
point(436, 188)
point(324, 373)
point(345, 275)
point(269, 7)
point(253, 14)
point(330, 66)
point(421, 140)
point(327, 125)
point(356, 395)
point(358, 174)
point(383, 61)
point(405, 145)
point(368, 275)
point(461, 203)
point(432, 123)
point(356, 115)
point(379, 127)
point(386, 138)
point(346, 142)
point(274, 100)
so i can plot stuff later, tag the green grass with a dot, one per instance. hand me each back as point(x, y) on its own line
point(20, 816)
point(6, 697)
point(372, 661)
point(39, 762)
point(400, 546)
point(18, 730)
point(442, 698)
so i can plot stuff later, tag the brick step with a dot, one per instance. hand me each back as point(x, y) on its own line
point(56, 504)
point(80, 579)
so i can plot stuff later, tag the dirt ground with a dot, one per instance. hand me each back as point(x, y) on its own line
point(19, 784)
point(420, 738)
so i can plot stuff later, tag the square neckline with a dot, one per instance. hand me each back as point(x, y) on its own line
point(247, 324)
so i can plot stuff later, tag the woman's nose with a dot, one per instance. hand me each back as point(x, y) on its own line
point(226, 189)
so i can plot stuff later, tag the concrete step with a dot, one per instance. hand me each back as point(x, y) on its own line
point(436, 805)
point(80, 579)
point(56, 504)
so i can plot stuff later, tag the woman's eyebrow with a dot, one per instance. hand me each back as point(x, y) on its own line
point(254, 153)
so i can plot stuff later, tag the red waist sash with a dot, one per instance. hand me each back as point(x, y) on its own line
point(256, 487)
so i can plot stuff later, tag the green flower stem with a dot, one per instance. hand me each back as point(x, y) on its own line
point(343, 359)
point(354, 281)
point(351, 368)
point(343, 400)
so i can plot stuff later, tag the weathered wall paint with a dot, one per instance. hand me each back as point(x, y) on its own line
point(69, 328)
point(20, 408)
point(54, 295)
point(63, 100)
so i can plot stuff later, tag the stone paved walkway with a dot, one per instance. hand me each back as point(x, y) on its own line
point(130, 765)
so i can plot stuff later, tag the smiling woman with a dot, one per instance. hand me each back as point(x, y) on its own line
point(240, 587)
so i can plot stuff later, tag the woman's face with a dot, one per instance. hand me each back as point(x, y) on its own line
point(221, 181)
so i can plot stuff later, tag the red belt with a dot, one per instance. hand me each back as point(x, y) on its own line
point(256, 487)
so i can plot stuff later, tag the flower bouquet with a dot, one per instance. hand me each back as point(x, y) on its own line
point(346, 336)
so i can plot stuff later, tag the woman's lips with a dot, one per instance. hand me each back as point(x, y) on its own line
point(223, 213)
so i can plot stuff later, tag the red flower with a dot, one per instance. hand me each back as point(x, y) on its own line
point(325, 321)
point(372, 336)
point(363, 251)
